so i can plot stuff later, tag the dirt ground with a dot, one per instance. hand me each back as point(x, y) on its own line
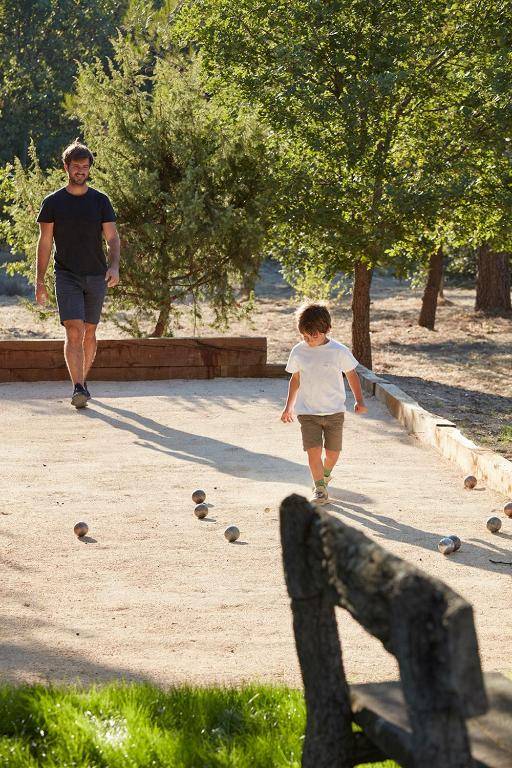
point(155, 594)
point(461, 371)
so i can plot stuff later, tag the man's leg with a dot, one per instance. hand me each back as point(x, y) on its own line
point(90, 346)
point(74, 350)
point(94, 296)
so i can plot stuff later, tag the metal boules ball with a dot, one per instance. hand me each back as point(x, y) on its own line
point(493, 524)
point(198, 496)
point(508, 509)
point(232, 533)
point(455, 540)
point(446, 546)
point(470, 482)
point(81, 529)
point(201, 510)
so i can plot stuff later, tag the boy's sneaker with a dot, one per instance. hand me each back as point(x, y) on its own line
point(89, 394)
point(79, 399)
point(327, 480)
point(320, 496)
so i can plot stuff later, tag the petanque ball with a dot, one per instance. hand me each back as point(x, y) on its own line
point(446, 546)
point(457, 542)
point(470, 482)
point(232, 533)
point(201, 510)
point(508, 509)
point(81, 529)
point(198, 496)
point(493, 524)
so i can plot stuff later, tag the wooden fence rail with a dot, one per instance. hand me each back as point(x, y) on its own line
point(141, 359)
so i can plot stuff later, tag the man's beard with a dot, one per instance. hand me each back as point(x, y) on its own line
point(79, 181)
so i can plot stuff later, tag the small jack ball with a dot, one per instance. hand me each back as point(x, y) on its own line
point(493, 524)
point(457, 542)
point(470, 482)
point(201, 510)
point(81, 529)
point(232, 533)
point(508, 509)
point(446, 546)
point(198, 496)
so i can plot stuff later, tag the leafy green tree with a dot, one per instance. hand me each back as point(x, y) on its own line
point(190, 183)
point(354, 88)
point(479, 137)
point(40, 44)
point(23, 189)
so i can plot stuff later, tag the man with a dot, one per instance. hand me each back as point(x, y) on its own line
point(76, 218)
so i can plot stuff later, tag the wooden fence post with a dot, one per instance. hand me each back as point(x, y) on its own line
point(329, 740)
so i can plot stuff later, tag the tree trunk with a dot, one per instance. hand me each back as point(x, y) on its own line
point(163, 319)
point(427, 317)
point(493, 282)
point(361, 341)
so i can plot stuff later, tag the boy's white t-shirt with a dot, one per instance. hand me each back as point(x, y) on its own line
point(321, 390)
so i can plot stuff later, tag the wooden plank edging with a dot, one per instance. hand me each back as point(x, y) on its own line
point(142, 359)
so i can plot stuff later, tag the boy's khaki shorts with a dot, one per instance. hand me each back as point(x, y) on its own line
point(322, 430)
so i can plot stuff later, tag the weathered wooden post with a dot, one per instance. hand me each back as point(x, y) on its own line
point(426, 626)
point(329, 740)
point(421, 621)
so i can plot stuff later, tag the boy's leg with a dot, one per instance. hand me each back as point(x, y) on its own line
point(311, 428)
point(315, 463)
point(320, 495)
point(333, 440)
point(331, 459)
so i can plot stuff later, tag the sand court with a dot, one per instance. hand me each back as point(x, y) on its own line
point(154, 594)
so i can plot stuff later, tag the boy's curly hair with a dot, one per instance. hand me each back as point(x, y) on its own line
point(313, 318)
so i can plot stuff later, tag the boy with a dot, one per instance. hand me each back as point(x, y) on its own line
point(317, 393)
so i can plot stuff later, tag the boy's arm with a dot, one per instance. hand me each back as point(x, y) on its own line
point(293, 388)
point(355, 386)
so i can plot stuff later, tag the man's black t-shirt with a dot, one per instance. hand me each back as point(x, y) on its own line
point(77, 230)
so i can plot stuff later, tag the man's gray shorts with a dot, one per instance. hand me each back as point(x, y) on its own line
point(79, 297)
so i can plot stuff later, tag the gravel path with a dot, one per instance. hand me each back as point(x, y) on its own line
point(155, 594)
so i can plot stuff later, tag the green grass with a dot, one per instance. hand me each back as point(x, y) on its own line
point(140, 726)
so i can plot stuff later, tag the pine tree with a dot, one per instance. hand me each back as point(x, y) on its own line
point(189, 182)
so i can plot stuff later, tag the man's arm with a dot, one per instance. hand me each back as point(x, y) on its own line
point(44, 251)
point(293, 388)
point(355, 386)
point(114, 252)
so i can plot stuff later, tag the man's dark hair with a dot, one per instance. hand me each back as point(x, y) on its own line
point(313, 318)
point(77, 151)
